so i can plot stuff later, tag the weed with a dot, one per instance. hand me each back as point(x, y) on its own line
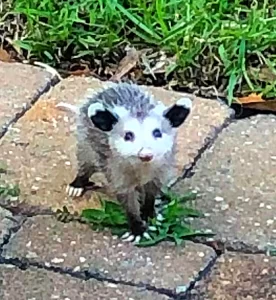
point(9, 190)
point(170, 224)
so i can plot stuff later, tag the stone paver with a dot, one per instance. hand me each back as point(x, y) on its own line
point(20, 84)
point(42, 285)
point(239, 277)
point(236, 179)
point(77, 246)
point(8, 224)
point(41, 148)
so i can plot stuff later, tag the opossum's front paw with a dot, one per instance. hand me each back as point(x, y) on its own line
point(130, 237)
point(72, 191)
point(78, 186)
point(137, 231)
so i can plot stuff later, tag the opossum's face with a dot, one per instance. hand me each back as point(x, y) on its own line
point(147, 139)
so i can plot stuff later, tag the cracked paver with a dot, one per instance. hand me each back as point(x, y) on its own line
point(236, 180)
point(20, 85)
point(8, 225)
point(76, 246)
point(38, 284)
point(41, 148)
point(239, 277)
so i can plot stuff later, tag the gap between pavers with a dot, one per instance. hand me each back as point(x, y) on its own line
point(40, 150)
point(20, 85)
point(239, 277)
point(40, 284)
point(73, 245)
point(236, 181)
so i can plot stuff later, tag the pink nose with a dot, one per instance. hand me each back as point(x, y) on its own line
point(145, 157)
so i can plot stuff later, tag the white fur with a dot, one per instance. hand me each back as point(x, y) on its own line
point(120, 111)
point(186, 102)
point(159, 108)
point(93, 108)
point(144, 141)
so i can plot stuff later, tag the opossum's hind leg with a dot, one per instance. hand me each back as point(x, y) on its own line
point(81, 182)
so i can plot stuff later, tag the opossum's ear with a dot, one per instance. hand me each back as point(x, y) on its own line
point(178, 112)
point(101, 117)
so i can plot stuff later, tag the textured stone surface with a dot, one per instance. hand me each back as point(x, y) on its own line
point(19, 85)
point(77, 246)
point(4, 224)
point(239, 277)
point(42, 285)
point(41, 148)
point(236, 179)
point(8, 224)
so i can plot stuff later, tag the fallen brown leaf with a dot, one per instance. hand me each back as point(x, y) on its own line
point(255, 101)
point(79, 69)
point(5, 56)
point(252, 98)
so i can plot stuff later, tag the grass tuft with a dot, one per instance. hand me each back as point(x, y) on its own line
point(226, 44)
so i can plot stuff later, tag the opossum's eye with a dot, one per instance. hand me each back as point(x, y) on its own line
point(178, 113)
point(129, 136)
point(157, 133)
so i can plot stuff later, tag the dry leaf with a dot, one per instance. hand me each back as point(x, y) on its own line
point(269, 105)
point(252, 98)
point(255, 101)
point(79, 69)
point(126, 64)
point(5, 56)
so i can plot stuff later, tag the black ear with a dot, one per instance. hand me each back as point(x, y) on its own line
point(104, 120)
point(178, 113)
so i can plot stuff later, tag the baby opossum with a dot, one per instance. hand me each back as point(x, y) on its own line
point(127, 135)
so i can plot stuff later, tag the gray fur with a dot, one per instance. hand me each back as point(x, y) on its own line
point(133, 185)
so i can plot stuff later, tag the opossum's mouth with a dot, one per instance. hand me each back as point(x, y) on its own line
point(146, 158)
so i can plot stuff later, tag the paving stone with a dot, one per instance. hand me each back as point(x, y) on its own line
point(236, 180)
point(34, 284)
point(76, 246)
point(4, 224)
point(20, 84)
point(8, 224)
point(239, 277)
point(40, 151)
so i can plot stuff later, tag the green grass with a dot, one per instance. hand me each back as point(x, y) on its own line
point(9, 190)
point(173, 225)
point(219, 42)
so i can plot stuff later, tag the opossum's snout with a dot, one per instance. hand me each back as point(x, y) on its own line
point(145, 155)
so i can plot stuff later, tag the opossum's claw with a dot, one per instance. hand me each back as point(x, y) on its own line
point(146, 236)
point(160, 217)
point(137, 239)
point(74, 192)
point(152, 228)
point(125, 235)
point(157, 202)
point(129, 237)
